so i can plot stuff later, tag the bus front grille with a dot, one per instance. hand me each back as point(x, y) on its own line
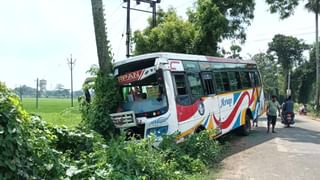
point(124, 119)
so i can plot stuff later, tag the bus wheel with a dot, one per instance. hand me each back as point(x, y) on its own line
point(199, 129)
point(245, 129)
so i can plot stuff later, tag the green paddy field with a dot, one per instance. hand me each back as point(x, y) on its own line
point(55, 111)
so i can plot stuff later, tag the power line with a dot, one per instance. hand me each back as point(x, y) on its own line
point(267, 39)
point(185, 4)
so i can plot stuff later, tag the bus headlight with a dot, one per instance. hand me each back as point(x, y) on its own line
point(158, 131)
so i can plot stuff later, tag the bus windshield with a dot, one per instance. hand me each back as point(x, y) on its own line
point(146, 97)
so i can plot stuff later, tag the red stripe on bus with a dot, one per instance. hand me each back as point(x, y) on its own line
point(225, 124)
point(186, 112)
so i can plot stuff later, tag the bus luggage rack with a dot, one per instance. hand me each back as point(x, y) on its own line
point(124, 119)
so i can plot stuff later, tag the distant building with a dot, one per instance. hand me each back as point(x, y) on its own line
point(43, 87)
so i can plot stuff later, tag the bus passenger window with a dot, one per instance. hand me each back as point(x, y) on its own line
point(225, 81)
point(234, 80)
point(218, 81)
point(208, 83)
point(257, 79)
point(254, 79)
point(180, 84)
point(195, 85)
point(245, 79)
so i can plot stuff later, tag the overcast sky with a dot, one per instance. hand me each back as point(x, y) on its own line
point(37, 36)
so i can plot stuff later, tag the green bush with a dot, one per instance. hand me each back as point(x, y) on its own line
point(32, 149)
point(24, 143)
point(106, 99)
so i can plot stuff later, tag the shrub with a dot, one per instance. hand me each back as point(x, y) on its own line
point(31, 149)
point(24, 142)
point(95, 115)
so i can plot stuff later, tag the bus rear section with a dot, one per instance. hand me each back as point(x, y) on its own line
point(216, 93)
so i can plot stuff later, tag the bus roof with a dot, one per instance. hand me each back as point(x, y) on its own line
point(179, 56)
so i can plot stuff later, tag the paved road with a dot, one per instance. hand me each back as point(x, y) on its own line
point(291, 153)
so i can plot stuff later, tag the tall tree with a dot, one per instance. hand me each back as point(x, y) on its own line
point(289, 53)
point(172, 34)
point(103, 49)
point(216, 20)
point(286, 8)
point(209, 23)
point(269, 72)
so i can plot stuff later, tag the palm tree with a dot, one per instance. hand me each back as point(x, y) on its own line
point(314, 6)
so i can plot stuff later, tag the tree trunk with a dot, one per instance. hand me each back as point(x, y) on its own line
point(317, 66)
point(101, 37)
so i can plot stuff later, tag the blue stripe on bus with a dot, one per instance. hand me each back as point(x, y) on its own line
point(237, 123)
point(206, 122)
point(236, 97)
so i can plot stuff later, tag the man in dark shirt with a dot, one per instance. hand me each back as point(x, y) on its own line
point(288, 107)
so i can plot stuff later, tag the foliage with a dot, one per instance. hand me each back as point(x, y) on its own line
point(106, 99)
point(32, 149)
point(200, 146)
point(172, 34)
point(284, 7)
point(233, 53)
point(216, 20)
point(305, 76)
point(24, 151)
point(269, 73)
point(313, 6)
point(209, 23)
point(288, 51)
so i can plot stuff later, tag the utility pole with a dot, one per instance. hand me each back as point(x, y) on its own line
point(154, 14)
point(128, 28)
point(71, 63)
point(20, 93)
point(154, 18)
point(37, 94)
point(288, 89)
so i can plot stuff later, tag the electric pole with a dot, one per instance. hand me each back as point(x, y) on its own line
point(37, 94)
point(71, 63)
point(154, 14)
point(128, 28)
point(154, 18)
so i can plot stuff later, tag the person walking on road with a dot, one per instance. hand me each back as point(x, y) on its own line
point(272, 108)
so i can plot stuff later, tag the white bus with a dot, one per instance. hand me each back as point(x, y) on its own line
point(164, 93)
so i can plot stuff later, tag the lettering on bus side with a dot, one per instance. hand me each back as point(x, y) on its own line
point(226, 102)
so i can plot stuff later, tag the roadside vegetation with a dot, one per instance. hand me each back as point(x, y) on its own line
point(34, 149)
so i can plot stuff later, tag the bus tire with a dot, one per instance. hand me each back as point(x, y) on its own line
point(246, 128)
point(200, 129)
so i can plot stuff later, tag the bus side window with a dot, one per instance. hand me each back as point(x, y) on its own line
point(254, 79)
point(257, 78)
point(245, 79)
point(195, 85)
point(234, 80)
point(225, 80)
point(218, 81)
point(207, 83)
point(183, 97)
point(180, 84)
point(238, 80)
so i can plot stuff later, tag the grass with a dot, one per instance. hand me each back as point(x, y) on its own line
point(54, 111)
